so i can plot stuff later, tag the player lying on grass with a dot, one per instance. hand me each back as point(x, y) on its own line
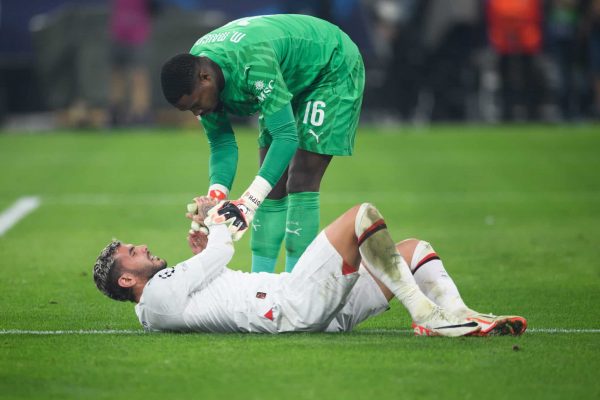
point(349, 273)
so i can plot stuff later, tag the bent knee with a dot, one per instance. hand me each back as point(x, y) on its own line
point(407, 247)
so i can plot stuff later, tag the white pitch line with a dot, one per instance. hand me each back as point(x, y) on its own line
point(529, 330)
point(561, 330)
point(17, 211)
point(72, 332)
point(140, 332)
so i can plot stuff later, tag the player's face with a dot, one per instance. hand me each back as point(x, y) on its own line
point(138, 260)
point(204, 98)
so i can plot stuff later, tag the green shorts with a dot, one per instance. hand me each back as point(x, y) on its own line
point(327, 113)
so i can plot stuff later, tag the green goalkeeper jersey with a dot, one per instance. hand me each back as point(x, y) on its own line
point(266, 61)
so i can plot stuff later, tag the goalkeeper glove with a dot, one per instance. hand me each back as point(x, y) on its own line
point(218, 192)
point(238, 214)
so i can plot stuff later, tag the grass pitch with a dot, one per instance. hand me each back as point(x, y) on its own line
point(514, 211)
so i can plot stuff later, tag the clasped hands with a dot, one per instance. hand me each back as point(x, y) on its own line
point(206, 211)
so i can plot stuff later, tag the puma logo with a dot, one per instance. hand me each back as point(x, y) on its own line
point(293, 231)
point(315, 134)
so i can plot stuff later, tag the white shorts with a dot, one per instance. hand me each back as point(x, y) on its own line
point(365, 301)
point(322, 295)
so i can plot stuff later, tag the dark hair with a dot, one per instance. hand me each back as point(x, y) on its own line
point(107, 272)
point(177, 77)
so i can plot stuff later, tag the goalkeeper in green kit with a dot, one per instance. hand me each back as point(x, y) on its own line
point(305, 78)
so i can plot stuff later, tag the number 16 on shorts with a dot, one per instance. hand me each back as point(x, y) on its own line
point(314, 113)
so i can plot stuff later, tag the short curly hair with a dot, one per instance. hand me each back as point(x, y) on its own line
point(178, 76)
point(106, 274)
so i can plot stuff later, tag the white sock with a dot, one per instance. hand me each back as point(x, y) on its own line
point(381, 258)
point(433, 279)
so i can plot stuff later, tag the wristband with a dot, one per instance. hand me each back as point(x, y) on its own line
point(256, 192)
point(218, 192)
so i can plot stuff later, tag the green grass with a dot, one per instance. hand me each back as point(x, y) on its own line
point(513, 210)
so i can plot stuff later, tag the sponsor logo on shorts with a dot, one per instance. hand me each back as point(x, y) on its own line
point(261, 295)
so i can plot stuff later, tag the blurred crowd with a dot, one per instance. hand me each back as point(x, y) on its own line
point(426, 60)
point(491, 60)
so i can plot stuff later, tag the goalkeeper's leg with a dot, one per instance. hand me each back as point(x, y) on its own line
point(268, 230)
point(305, 173)
point(302, 225)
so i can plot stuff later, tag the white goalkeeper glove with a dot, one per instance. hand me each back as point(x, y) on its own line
point(238, 214)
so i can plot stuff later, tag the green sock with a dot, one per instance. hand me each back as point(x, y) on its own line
point(268, 230)
point(302, 225)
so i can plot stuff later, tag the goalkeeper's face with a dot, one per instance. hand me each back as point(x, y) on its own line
point(204, 98)
point(138, 260)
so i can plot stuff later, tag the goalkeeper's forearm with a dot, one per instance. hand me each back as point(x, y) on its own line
point(223, 159)
point(282, 127)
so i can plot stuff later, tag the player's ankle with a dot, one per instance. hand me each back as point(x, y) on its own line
point(417, 304)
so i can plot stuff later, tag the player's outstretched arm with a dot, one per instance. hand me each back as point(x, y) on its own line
point(223, 158)
point(213, 248)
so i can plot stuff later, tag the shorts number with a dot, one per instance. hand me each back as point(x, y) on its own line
point(316, 112)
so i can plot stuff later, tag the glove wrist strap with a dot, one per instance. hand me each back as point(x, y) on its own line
point(256, 192)
point(218, 192)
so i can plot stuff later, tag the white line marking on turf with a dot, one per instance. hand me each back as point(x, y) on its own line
point(139, 331)
point(561, 330)
point(17, 211)
point(71, 332)
point(529, 330)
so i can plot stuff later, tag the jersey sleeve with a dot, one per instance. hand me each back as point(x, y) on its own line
point(264, 79)
point(265, 82)
point(223, 159)
point(168, 293)
point(282, 127)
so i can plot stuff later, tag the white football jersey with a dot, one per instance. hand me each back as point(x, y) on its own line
point(201, 294)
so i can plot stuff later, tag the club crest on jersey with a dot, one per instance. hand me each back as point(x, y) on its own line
point(263, 89)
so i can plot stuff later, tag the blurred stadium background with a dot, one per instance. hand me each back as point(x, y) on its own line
point(513, 207)
point(427, 60)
